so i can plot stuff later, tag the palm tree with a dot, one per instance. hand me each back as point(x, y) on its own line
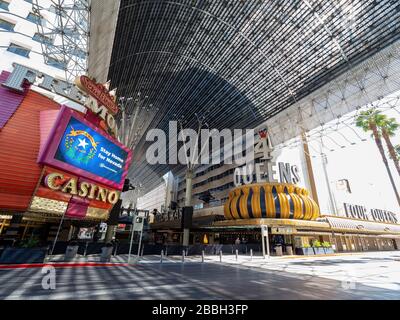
point(371, 120)
point(398, 150)
point(388, 128)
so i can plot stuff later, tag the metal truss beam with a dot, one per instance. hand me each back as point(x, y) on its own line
point(66, 37)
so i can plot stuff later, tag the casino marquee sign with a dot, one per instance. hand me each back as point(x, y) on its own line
point(84, 169)
point(83, 165)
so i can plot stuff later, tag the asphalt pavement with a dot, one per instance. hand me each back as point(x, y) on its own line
point(189, 280)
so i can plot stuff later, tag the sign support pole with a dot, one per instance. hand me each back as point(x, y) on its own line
point(262, 241)
point(130, 245)
point(264, 234)
point(58, 232)
point(140, 243)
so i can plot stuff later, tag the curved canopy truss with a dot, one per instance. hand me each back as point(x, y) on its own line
point(240, 64)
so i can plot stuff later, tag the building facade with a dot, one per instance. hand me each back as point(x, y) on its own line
point(21, 40)
point(240, 212)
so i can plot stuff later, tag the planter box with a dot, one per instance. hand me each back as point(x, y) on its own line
point(23, 255)
point(318, 250)
point(329, 250)
point(106, 253)
point(278, 250)
point(70, 253)
point(305, 251)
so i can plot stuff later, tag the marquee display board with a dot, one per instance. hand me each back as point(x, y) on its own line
point(60, 193)
point(79, 147)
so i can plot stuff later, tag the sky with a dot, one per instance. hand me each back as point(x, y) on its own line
point(360, 163)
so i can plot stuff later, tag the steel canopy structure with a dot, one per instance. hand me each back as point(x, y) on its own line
point(240, 64)
point(65, 39)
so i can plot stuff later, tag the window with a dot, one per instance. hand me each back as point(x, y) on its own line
point(32, 17)
point(42, 38)
point(4, 5)
point(6, 25)
point(79, 53)
point(56, 63)
point(14, 48)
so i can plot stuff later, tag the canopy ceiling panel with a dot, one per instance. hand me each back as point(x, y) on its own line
point(237, 63)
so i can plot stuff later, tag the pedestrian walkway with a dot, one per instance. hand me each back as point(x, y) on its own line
point(375, 269)
point(241, 259)
point(351, 271)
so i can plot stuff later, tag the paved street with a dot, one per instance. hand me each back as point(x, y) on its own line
point(358, 276)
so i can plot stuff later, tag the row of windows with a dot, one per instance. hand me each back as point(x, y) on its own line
point(216, 177)
point(226, 186)
point(213, 178)
point(5, 25)
point(37, 36)
point(24, 52)
point(30, 1)
point(4, 5)
point(203, 172)
point(32, 17)
point(21, 51)
point(35, 18)
point(211, 168)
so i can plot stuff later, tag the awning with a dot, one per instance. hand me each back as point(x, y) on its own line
point(360, 226)
point(197, 222)
point(312, 233)
point(300, 224)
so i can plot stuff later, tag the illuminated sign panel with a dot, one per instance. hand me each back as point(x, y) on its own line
point(84, 150)
point(99, 92)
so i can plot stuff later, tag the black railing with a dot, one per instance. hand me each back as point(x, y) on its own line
point(93, 248)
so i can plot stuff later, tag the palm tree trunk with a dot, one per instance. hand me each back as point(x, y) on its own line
point(378, 142)
point(392, 152)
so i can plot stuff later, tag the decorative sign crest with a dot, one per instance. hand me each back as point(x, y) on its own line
point(98, 91)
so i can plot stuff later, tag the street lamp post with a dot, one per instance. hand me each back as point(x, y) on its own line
point(191, 163)
point(188, 202)
point(130, 126)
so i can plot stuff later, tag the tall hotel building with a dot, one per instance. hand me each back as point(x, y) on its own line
point(20, 38)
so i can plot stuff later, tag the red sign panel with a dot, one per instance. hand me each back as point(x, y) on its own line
point(98, 91)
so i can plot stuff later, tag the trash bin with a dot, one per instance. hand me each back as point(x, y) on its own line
point(71, 252)
point(289, 250)
point(106, 253)
point(278, 250)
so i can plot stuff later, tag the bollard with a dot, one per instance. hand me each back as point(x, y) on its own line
point(236, 253)
point(202, 256)
point(220, 255)
point(183, 256)
point(161, 256)
point(251, 254)
point(84, 254)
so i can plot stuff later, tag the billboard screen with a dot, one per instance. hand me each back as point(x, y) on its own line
point(75, 145)
point(84, 148)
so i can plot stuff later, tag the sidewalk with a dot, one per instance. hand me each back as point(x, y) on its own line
point(226, 259)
